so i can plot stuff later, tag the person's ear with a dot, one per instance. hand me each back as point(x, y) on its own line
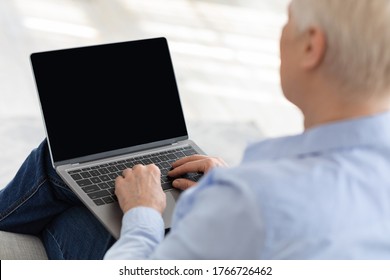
point(314, 47)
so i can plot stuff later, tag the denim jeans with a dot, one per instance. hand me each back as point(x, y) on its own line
point(38, 202)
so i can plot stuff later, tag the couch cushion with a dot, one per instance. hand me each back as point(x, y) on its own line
point(15, 246)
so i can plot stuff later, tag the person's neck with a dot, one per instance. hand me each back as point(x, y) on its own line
point(332, 111)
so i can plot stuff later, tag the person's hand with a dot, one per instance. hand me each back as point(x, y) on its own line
point(192, 164)
point(140, 186)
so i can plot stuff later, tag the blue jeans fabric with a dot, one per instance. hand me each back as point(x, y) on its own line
point(38, 202)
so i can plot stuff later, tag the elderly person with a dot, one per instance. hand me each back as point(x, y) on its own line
point(323, 194)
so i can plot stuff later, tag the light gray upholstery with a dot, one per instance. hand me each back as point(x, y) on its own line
point(15, 246)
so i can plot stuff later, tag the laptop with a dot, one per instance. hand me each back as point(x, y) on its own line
point(109, 107)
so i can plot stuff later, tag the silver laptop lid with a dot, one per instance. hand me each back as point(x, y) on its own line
point(106, 100)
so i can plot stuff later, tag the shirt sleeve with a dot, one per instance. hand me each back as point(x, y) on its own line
point(142, 230)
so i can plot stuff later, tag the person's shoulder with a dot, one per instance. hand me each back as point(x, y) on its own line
point(271, 171)
point(280, 179)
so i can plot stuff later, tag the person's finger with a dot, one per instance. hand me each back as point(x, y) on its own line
point(137, 166)
point(187, 159)
point(189, 167)
point(126, 172)
point(183, 184)
point(119, 180)
point(154, 169)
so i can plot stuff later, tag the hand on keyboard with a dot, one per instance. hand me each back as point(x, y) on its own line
point(184, 169)
point(98, 181)
point(140, 186)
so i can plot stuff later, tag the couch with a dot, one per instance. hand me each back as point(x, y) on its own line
point(15, 246)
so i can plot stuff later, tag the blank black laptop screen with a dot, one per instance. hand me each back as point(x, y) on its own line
point(107, 97)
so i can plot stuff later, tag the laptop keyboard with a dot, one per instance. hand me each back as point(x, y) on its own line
point(98, 182)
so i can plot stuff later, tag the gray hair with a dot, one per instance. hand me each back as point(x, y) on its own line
point(358, 39)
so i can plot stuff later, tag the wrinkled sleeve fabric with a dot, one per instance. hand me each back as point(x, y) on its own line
point(142, 230)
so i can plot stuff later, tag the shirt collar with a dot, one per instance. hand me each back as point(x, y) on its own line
point(370, 131)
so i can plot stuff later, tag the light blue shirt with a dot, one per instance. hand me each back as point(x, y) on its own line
point(324, 194)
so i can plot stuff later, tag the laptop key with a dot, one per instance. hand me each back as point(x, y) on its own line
point(94, 173)
point(76, 176)
point(146, 161)
point(155, 160)
point(163, 158)
point(113, 176)
point(166, 186)
point(165, 179)
point(171, 156)
point(99, 194)
point(165, 164)
point(104, 186)
point(111, 184)
point(103, 170)
point(84, 182)
point(190, 152)
point(112, 169)
point(108, 199)
point(121, 167)
point(85, 174)
point(112, 191)
point(179, 154)
point(95, 180)
point(98, 202)
point(105, 178)
point(90, 189)
point(197, 176)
